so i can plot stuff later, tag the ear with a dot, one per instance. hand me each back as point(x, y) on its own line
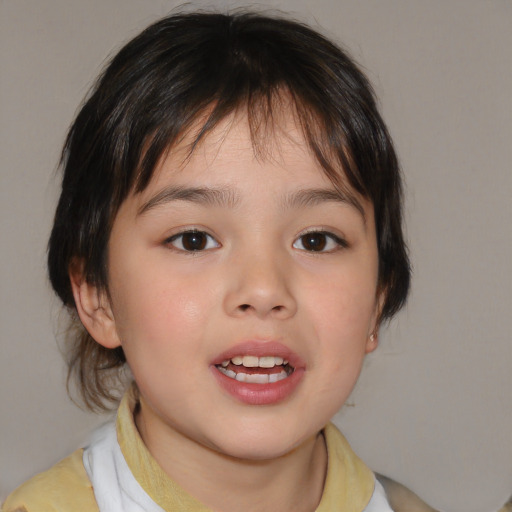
point(372, 342)
point(94, 309)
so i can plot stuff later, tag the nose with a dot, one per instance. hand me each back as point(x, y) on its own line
point(259, 285)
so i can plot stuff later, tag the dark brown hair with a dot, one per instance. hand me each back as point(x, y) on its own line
point(194, 65)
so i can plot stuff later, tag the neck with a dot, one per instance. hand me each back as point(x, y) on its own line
point(291, 482)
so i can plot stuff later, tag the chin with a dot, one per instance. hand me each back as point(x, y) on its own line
point(262, 443)
point(255, 452)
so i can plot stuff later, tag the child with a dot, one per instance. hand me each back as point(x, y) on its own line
point(229, 229)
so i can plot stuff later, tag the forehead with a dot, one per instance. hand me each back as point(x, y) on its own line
point(230, 164)
point(236, 142)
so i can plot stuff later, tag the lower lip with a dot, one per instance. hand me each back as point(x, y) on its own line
point(259, 394)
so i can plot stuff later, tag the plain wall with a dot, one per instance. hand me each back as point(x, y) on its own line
point(433, 407)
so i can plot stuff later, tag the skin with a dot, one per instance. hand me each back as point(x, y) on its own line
point(257, 280)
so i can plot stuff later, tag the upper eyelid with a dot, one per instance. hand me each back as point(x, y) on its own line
point(184, 230)
point(175, 236)
point(325, 231)
point(340, 241)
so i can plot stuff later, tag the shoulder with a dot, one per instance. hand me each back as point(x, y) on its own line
point(402, 499)
point(63, 488)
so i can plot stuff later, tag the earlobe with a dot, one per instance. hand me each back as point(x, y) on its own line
point(94, 309)
point(372, 342)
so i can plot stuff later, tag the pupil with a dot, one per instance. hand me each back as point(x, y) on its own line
point(314, 241)
point(194, 241)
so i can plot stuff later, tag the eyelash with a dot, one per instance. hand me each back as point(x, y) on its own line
point(180, 237)
point(325, 241)
point(331, 242)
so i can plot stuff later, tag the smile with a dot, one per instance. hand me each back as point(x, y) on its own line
point(256, 370)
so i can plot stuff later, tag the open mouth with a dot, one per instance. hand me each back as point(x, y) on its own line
point(256, 370)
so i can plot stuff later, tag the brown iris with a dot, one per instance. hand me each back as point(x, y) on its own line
point(314, 241)
point(194, 241)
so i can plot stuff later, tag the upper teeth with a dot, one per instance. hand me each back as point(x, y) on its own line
point(255, 362)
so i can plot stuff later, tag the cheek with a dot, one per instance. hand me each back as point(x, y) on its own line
point(342, 312)
point(342, 325)
point(161, 313)
point(344, 306)
point(160, 327)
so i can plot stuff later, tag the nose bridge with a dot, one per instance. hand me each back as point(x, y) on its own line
point(260, 282)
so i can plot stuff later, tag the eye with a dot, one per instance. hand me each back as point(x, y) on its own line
point(319, 241)
point(192, 241)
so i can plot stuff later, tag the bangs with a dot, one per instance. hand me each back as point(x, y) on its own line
point(226, 66)
point(267, 114)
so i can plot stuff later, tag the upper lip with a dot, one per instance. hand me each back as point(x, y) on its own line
point(260, 349)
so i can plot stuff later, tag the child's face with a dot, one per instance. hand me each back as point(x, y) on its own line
point(229, 255)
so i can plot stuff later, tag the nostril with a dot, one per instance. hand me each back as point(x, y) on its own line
point(245, 307)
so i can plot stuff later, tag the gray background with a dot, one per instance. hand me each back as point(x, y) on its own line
point(433, 407)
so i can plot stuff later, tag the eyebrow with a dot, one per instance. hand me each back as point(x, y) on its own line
point(228, 198)
point(224, 197)
point(313, 197)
